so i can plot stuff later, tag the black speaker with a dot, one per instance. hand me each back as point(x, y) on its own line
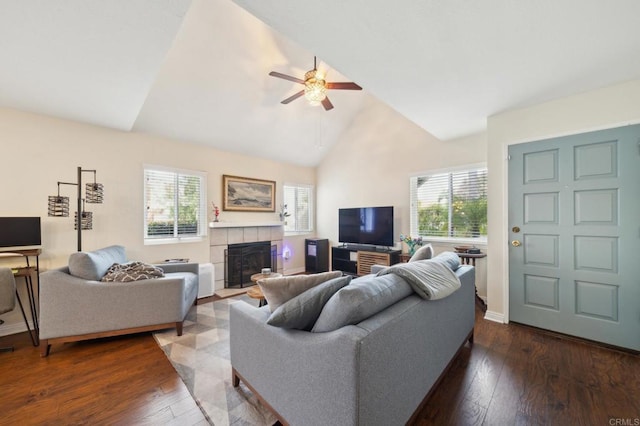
point(316, 255)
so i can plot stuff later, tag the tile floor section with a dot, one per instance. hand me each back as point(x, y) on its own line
point(201, 358)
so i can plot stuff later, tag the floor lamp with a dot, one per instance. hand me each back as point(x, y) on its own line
point(59, 205)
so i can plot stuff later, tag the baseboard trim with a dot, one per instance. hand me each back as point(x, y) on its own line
point(8, 329)
point(294, 271)
point(494, 316)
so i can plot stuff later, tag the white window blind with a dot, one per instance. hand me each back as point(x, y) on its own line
point(175, 204)
point(299, 202)
point(449, 205)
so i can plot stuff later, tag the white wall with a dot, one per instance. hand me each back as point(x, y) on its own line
point(39, 151)
point(372, 162)
point(609, 107)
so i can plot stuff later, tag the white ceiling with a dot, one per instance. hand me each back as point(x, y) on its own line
point(197, 71)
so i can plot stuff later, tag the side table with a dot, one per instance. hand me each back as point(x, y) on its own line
point(255, 292)
point(470, 259)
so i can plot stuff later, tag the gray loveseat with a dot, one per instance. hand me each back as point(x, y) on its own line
point(375, 372)
point(76, 305)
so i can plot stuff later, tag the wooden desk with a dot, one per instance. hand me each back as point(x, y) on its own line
point(470, 259)
point(27, 273)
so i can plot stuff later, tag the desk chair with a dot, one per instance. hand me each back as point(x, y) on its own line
point(8, 296)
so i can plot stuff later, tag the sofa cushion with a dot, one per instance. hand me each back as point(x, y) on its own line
point(424, 252)
point(278, 290)
point(364, 297)
point(92, 265)
point(449, 259)
point(302, 311)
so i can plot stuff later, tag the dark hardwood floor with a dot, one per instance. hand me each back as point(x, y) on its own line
point(518, 375)
point(513, 375)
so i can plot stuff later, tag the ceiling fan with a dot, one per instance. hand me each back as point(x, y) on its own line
point(315, 87)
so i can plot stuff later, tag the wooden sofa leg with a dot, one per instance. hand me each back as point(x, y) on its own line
point(235, 379)
point(45, 347)
point(179, 328)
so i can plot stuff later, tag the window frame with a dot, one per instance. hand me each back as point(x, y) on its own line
point(292, 212)
point(202, 202)
point(413, 213)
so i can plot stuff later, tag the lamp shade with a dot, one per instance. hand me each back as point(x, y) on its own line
point(87, 221)
point(94, 193)
point(58, 206)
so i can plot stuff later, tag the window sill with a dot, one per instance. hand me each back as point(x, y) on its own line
point(297, 233)
point(461, 241)
point(161, 241)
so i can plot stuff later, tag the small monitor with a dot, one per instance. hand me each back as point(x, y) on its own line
point(20, 231)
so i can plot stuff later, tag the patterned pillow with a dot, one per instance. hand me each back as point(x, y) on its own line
point(133, 271)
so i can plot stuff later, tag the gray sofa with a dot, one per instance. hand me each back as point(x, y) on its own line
point(376, 372)
point(76, 305)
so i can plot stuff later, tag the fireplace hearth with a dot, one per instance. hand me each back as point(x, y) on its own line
point(245, 259)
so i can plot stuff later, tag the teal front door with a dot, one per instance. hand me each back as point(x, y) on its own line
point(574, 235)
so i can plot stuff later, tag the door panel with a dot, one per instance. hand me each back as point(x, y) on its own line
point(574, 219)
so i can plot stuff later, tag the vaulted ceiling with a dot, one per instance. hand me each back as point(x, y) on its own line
point(197, 71)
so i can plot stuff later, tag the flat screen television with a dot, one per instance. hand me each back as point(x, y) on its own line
point(366, 225)
point(19, 231)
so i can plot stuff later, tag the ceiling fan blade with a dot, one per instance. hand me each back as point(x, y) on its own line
point(326, 103)
point(343, 86)
point(293, 97)
point(286, 77)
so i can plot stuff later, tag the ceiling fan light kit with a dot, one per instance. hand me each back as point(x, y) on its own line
point(315, 87)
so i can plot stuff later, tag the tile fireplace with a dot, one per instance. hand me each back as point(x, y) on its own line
point(223, 235)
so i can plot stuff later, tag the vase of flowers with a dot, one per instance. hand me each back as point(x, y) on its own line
point(216, 212)
point(412, 243)
point(284, 213)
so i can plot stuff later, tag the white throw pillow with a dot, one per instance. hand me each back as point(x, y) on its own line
point(424, 252)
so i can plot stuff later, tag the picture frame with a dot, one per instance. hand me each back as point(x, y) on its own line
point(243, 194)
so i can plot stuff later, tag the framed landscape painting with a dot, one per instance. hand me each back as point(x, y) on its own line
point(248, 195)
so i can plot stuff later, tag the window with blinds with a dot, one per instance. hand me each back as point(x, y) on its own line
point(450, 205)
point(299, 202)
point(175, 204)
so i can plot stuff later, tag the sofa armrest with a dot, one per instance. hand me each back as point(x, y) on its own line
point(179, 267)
point(290, 368)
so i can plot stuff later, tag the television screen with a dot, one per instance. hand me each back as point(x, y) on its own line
point(19, 231)
point(366, 225)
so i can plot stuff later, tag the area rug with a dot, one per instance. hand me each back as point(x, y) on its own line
point(201, 358)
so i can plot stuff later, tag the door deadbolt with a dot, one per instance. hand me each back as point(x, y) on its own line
point(516, 243)
point(516, 229)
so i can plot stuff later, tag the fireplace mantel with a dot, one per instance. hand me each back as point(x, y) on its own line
point(243, 224)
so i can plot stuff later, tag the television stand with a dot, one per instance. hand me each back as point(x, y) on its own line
point(357, 260)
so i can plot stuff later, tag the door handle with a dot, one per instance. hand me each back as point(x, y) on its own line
point(516, 243)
